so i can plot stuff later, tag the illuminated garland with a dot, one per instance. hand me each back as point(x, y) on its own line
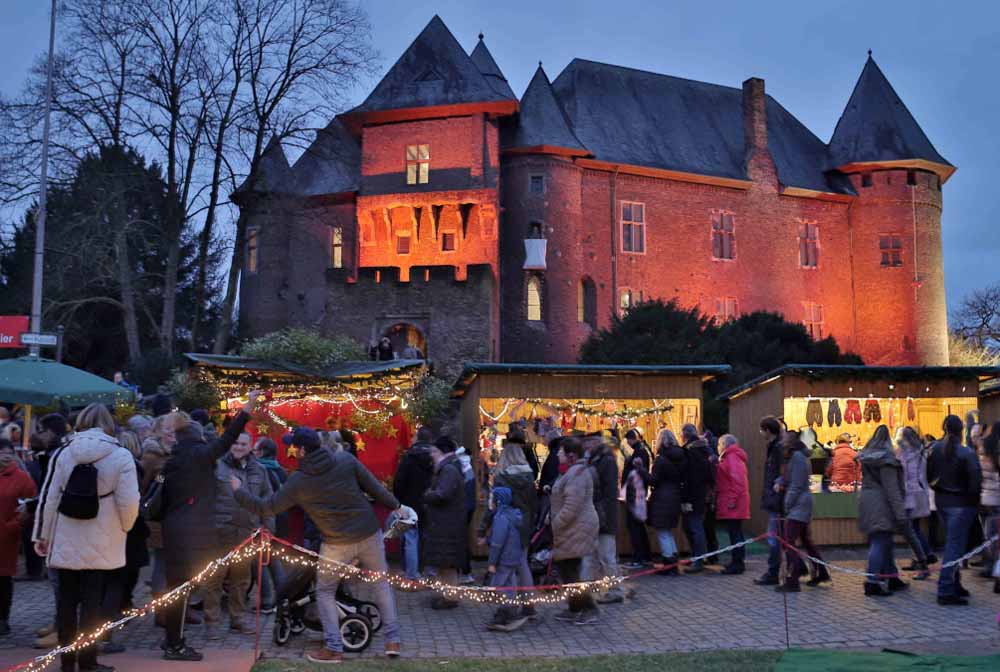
point(232, 385)
point(580, 408)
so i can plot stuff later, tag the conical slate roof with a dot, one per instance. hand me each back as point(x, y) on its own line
point(434, 70)
point(273, 174)
point(542, 120)
point(331, 164)
point(876, 126)
point(483, 60)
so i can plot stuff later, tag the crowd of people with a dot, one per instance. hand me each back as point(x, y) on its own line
point(75, 502)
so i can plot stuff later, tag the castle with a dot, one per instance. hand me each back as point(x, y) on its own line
point(453, 217)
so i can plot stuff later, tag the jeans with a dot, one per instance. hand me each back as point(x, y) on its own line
point(239, 582)
point(569, 572)
point(734, 528)
point(603, 562)
point(639, 538)
point(773, 545)
point(78, 609)
point(880, 560)
point(370, 554)
point(694, 530)
point(668, 545)
point(274, 576)
point(958, 521)
point(918, 544)
point(411, 553)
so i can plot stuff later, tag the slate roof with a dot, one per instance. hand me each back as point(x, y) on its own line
point(274, 175)
point(629, 116)
point(434, 70)
point(541, 120)
point(331, 164)
point(876, 126)
point(484, 61)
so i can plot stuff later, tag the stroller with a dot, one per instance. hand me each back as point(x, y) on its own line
point(297, 611)
point(540, 548)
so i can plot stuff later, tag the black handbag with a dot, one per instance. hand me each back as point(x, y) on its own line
point(151, 506)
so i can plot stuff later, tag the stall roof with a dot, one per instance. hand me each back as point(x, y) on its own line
point(846, 371)
point(704, 371)
point(341, 371)
point(989, 388)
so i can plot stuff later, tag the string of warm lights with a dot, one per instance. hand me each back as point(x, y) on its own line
point(584, 409)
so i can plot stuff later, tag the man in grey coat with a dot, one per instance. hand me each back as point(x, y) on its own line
point(332, 488)
point(603, 561)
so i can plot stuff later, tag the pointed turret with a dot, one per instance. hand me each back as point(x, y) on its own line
point(877, 131)
point(483, 60)
point(273, 174)
point(434, 71)
point(542, 123)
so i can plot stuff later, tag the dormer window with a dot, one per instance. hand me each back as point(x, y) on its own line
point(418, 164)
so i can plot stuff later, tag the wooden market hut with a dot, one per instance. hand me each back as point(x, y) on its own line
point(577, 397)
point(837, 399)
point(989, 401)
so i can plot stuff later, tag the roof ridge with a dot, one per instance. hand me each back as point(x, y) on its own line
point(649, 72)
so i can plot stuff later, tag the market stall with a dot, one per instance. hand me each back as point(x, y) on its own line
point(989, 401)
point(835, 404)
point(575, 398)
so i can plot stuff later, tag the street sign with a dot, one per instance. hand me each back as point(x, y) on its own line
point(29, 338)
point(10, 327)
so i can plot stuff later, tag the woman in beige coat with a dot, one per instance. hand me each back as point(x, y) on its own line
point(574, 527)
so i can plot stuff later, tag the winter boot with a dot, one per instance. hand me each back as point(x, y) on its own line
point(822, 576)
point(922, 572)
point(875, 589)
point(895, 583)
point(671, 568)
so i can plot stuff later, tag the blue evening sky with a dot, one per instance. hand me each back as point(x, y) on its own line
point(942, 58)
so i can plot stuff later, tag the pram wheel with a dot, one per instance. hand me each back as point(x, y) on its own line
point(297, 626)
point(371, 612)
point(356, 631)
point(282, 630)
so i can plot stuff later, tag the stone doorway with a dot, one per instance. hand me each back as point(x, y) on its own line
point(406, 338)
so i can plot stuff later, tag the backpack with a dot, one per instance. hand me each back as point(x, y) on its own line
point(80, 499)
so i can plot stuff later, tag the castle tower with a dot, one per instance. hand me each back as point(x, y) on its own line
point(895, 225)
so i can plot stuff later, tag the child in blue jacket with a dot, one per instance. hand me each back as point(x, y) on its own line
point(506, 553)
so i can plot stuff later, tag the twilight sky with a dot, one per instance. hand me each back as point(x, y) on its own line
point(942, 59)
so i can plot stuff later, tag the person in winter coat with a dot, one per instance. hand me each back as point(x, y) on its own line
point(83, 551)
point(955, 475)
point(797, 505)
point(575, 527)
point(266, 452)
point(445, 539)
point(732, 498)
point(190, 538)
point(634, 490)
point(334, 489)
point(881, 511)
point(770, 499)
point(914, 460)
point(667, 484)
point(603, 560)
point(506, 556)
point(15, 485)
point(550, 469)
point(698, 483)
point(233, 524)
point(413, 477)
point(989, 462)
point(844, 471)
point(155, 451)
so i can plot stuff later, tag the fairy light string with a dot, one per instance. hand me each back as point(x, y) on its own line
point(584, 409)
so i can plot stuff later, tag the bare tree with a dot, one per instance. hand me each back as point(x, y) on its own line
point(977, 317)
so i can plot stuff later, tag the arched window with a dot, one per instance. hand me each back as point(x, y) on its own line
point(534, 302)
point(586, 310)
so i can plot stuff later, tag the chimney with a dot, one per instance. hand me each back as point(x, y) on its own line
point(754, 116)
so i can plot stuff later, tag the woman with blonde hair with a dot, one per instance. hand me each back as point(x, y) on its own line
point(666, 480)
point(82, 547)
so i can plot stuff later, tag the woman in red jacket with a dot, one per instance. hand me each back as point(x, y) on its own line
point(732, 498)
point(15, 484)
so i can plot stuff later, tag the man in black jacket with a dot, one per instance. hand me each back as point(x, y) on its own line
point(331, 488)
point(698, 482)
point(641, 554)
point(413, 478)
point(770, 501)
point(603, 562)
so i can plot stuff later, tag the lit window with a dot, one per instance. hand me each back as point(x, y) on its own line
point(814, 320)
point(537, 184)
point(253, 250)
point(336, 247)
point(402, 243)
point(723, 236)
point(633, 227)
point(586, 295)
point(534, 299)
point(448, 242)
point(890, 246)
point(726, 308)
point(418, 164)
point(808, 245)
point(625, 300)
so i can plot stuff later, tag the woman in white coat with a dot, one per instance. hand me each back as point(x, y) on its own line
point(83, 551)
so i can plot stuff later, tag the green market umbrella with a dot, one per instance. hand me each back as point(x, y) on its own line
point(42, 382)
